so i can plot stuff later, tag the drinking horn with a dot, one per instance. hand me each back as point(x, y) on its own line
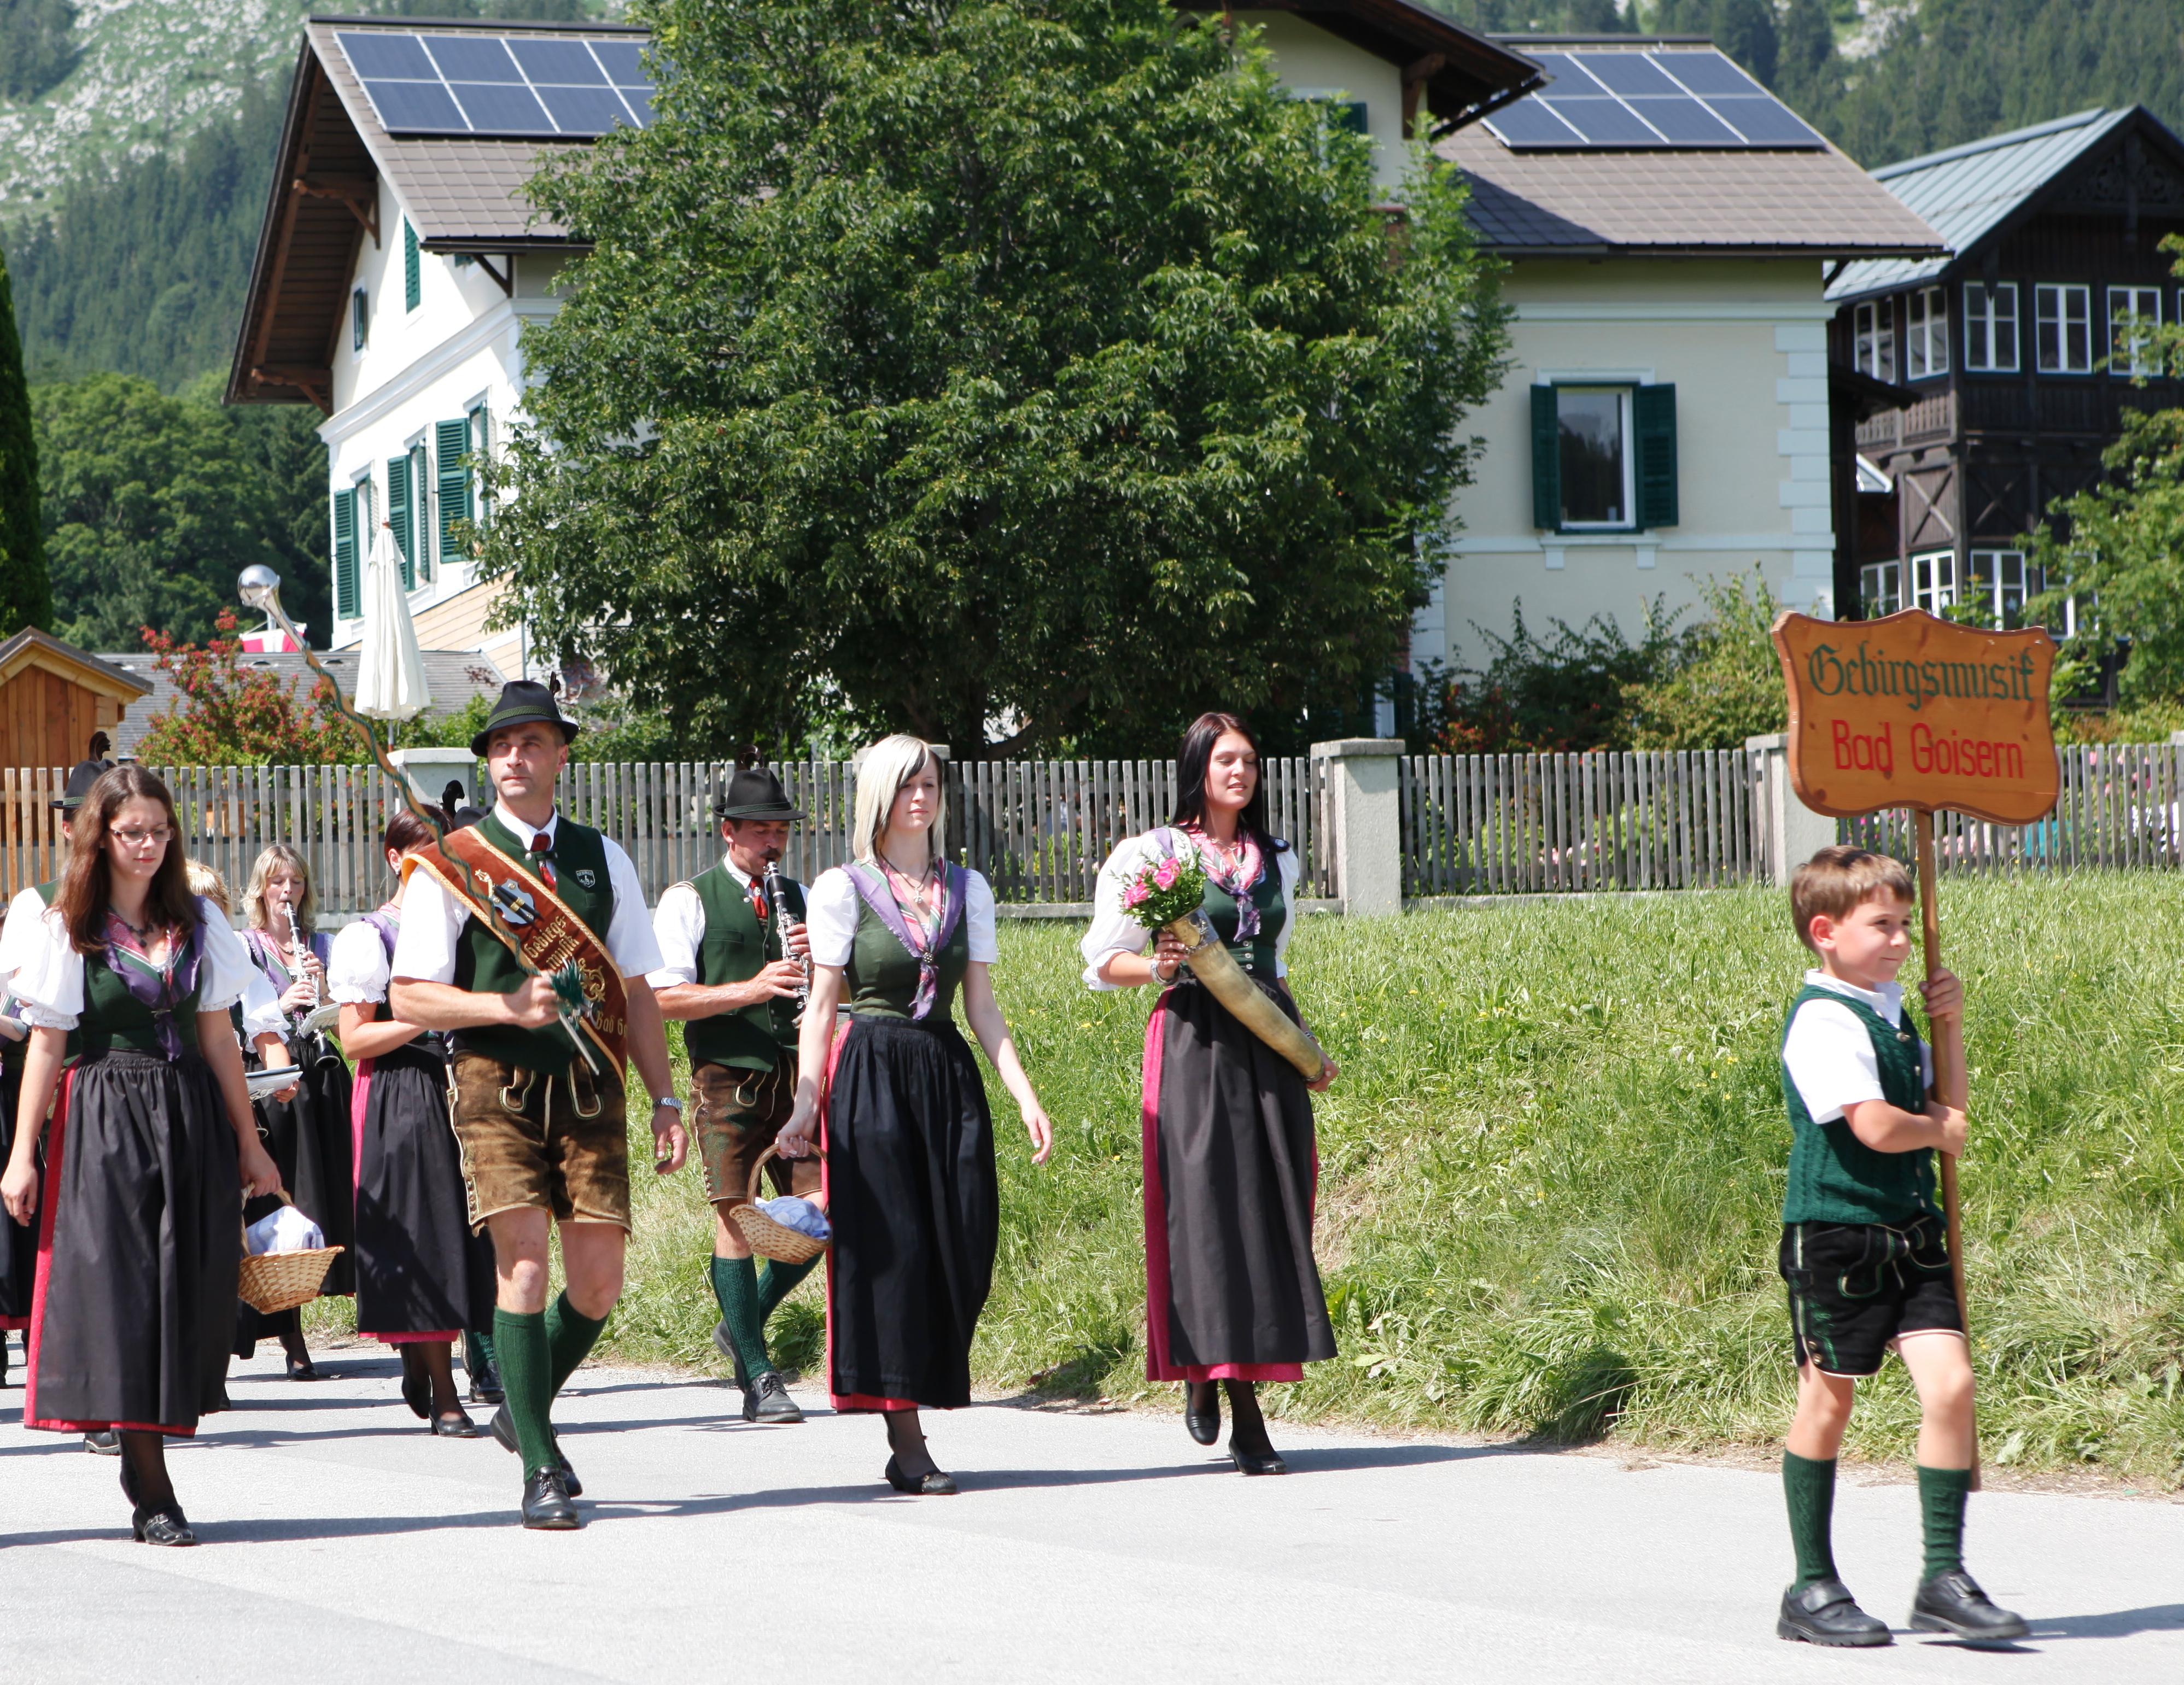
point(1215, 967)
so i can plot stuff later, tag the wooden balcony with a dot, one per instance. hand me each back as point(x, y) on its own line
point(1931, 421)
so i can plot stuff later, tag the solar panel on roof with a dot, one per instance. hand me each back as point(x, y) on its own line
point(513, 87)
point(1626, 99)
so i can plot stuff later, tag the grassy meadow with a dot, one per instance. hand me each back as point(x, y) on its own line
point(1552, 1177)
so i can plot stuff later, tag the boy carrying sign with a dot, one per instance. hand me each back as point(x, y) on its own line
point(1864, 1250)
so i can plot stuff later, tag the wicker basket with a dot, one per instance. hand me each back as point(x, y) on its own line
point(271, 1282)
point(766, 1237)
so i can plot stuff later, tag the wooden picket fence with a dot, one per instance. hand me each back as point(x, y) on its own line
point(1502, 824)
point(1039, 831)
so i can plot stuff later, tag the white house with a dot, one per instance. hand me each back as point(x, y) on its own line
point(399, 264)
point(1668, 227)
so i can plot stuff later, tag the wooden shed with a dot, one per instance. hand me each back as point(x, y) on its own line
point(53, 697)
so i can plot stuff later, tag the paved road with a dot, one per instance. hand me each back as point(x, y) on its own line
point(341, 1542)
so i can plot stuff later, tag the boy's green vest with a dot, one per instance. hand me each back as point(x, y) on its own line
point(736, 948)
point(1835, 1178)
point(483, 964)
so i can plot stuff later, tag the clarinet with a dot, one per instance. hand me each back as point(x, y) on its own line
point(779, 903)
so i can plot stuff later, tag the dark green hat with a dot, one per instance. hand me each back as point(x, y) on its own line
point(753, 793)
point(521, 702)
point(85, 774)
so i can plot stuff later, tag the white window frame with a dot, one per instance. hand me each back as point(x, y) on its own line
point(424, 500)
point(2007, 579)
point(1989, 311)
point(1881, 588)
point(1933, 581)
point(1873, 338)
point(2131, 352)
point(1926, 333)
point(2052, 303)
point(1628, 420)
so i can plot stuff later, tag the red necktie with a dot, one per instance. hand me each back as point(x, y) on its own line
point(539, 845)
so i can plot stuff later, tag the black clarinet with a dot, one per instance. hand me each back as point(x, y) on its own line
point(779, 903)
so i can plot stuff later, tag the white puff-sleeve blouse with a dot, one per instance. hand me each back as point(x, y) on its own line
point(48, 978)
point(359, 967)
point(1115, 932)
point(830, 918)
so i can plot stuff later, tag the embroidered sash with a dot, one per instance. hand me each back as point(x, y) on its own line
point(500, 891)
point(923, 945)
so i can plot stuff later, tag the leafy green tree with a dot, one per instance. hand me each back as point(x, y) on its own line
point(26, 593)
point(1567, 692)
point(1031, 370)
point(1725, 683)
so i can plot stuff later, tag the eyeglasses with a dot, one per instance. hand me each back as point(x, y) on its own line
point(133, 838)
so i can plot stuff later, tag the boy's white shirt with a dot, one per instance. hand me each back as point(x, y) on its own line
point(1828, 1052)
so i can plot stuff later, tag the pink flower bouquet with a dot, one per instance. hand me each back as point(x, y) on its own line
point(1164, 890)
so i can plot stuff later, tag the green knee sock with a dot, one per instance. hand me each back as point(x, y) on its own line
point(1809, 1486)
point(569, 1337)
point(735, 1286)
point(477, 1352)
point(519, 1342)
point(1941, 1494)
point(775, 1282)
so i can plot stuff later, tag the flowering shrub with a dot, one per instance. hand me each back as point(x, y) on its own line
point(1165, 890)
point(231, 715)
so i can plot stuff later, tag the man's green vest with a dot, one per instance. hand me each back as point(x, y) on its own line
point(483, 964)
point(1833, 1177)
point(736, 948)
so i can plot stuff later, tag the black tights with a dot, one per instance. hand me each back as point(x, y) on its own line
point(144, 1479)
point(906, 1439)
point(1247, 1428)
point(436, 1361)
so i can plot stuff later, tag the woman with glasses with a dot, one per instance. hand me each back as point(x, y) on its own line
point(308, 1133)
point(138, 1240)
point(908, 1146)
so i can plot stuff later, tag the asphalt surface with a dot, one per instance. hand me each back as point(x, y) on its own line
point(339, 1542)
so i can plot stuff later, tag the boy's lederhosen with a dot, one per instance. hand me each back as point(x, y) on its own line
point(537, 1127)
point(1865, 1248)
point(742, 1064)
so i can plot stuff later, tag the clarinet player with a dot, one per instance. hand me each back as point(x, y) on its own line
point(736, 963)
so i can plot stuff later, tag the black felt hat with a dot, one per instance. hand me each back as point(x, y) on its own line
point(85, 774)
point(522, 701)
point(753, 793)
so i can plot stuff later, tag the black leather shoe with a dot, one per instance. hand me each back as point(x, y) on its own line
point(299, 1369)
point(766, 1399)
point(546, 1504)
point(503, 1431)
point(1954, 1603)
point(162, 1527)
point(105, 1441)
point(1826, 1613)
point(1205, 1426)
point(727, 1348)
point(456, 1426)
point(1267, 1462)
point(934, 1484)
point(485, 1385)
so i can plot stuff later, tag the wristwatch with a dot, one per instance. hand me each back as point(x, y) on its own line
point(668, 1101)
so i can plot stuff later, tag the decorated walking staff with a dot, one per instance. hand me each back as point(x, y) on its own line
point(1916, 712)
point(259, 588)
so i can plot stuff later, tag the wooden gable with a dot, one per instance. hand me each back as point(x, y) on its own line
point(53, 697)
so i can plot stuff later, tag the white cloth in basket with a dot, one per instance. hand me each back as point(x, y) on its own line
point(286, 1230)
point(800, 1215)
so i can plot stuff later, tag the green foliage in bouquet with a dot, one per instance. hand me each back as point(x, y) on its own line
point(1164, 891)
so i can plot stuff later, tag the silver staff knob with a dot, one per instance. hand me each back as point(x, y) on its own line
point(259, 587)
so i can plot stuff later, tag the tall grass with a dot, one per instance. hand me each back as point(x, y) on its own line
point(1552, 1175)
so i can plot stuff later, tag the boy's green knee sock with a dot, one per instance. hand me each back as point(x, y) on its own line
point(735, 1287)
point(1809, 1486)
point(569, 1337)
point(1941, 1494)
point(775, 1282)
point(519, 1342)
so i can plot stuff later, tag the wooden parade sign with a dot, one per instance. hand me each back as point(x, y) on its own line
point(1915, 712)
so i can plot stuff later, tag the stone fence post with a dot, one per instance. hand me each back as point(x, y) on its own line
point(1790, 833)
point(1364, 823)
point(430, 771)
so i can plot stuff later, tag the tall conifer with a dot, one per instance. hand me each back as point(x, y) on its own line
point(26, 590)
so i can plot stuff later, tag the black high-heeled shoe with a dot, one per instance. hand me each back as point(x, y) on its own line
point(299, 1369)
point(456, 1426)
point(932, 1484)
point(1267, 1462)
point(165, 1526)
point(1205, 1426)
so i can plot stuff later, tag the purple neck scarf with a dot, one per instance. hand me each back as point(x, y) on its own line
point(923, 944)
point(1238, 881)
point(167, 991)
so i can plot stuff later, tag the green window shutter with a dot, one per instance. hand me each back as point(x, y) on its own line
point(1546, 460)
point(1654, 420)
point(451, 447)
point(413, 281)
point(421, 511)
point(397, 514)
point(346, 594)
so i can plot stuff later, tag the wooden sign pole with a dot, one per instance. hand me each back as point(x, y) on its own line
point(1952, 1084)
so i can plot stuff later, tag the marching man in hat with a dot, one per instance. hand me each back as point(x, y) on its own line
point(540, 1044)
point(733, 962)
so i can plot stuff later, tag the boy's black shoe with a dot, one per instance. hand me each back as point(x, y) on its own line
point(1826, 1613)
point(1954, 1603)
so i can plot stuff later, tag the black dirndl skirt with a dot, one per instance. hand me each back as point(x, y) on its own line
point(1232, 1168)
point(18, 1243)
point(915, 1207)
point(308, 1138)
point(418, 1268)
point(139, 1243)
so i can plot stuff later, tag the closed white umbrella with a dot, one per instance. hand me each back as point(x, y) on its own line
point(390, 680)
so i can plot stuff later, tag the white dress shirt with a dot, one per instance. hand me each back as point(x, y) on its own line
point(831, 918)
point(433, 920)
point(1114, 931)
point(679, 924)
point(1827, 1051)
